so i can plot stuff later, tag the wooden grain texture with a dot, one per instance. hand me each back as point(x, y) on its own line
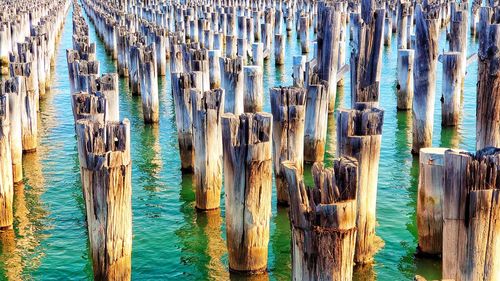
point(429, 201)
point(253, 93)
point(6, 181)
point(452, 86)
point(406, 61)
point(12, 88)
point(426, 51)
point(232, 82)
point(288, 106)
point(316, 122)
point(323, 220)
point(359, 135)
point(247, 150)
point(207, 133)
point(488, 90)
point(106, 174)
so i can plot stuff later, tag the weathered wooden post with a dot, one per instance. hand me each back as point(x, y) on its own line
point(405, 78)
point(316, 122)
point(247, 149)
point(149, 84)
point(207, 133)
point(470, 209)
point(359, 135)
point(13, 88)
point(107, 85)
point(214, 66)
point(182, 83)
point(304, 34)
point(323, 220)
point(430, 201)
point(426, 48)
point(288, 106)
point(258, 54)
point(106, 173)
point(403, 12)
point(387, 29)
point(328, 51)
point(458, 40)
point(488, 93)
point(299, 65)
point(6, 182)
point(253, 94)
point(279, 49)
point(452, 88)
point(232, 83)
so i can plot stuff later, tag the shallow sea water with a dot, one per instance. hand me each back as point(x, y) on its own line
point(170, 239)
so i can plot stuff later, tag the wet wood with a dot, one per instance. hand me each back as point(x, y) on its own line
point(404, 87)
point(316, 122)
point(6, 181)
point(452, 88)
point(13, 88)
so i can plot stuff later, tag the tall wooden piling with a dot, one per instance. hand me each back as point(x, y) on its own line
point(299, 65)
point(279, 49)
point(253, 94)
point(405, 78)
point(316, 122)
point(488, 93)
point(232, 83)
point(106, 173)
point(149, 84)
point(182, 83)
point(12, 88)
point(359, 135)
point(288, 106)
point(470, 212)
point(214, 66)
point(430, 201)
point(207, 132)
point(247, 149)
point(323, 221)
point(426, 48)
point(452, 88)
point(6, 181)
point(304, 34)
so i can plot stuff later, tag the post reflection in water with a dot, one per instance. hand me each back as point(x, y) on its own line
point(211, 224)
point(280, 239)
point(450, 137)
point(364, 272)
point(12, 266)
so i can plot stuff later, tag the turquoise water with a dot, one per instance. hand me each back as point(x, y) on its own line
point(170, 239)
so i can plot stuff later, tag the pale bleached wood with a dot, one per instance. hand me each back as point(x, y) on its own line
point(207, 133)
point(288, 106)
point(13, 88)
point(323, 221)
point(232, 83)
point(359, 135)
point(106, 173)
point(253, 93)
point(451, 88)
point(404, 87)
point(6, 181)
point(148, 76)
point(247, 150)
point(430, 201)
point(426, 51)
point(316, 123)
point(299, 65)
point(279, 49)
point(214, 68)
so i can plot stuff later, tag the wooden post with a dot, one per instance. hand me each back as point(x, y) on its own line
point(488, 95)
point(403, 11)
point(107, 85)
point(253, 94)
point(13, 88)
point(299, 65)
point(458, 40)
point(279, 49)
point(452, 88)
point(316, 122)
point(470, 213)
point(323, 221)
point(288, 106)
point(182, 83)
point(247, 149)
point(328, 51)
point(387, 30)
point(207, 133)
point(359, 135)
point(232, 83)
point(304, 35)
point(6, 182)
point(148, 77)
point(214, 68)
point(106, 173)
point(426, 48)
point(430, 201)
point(405, 78)
point(258, 54)
point(231, 46)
